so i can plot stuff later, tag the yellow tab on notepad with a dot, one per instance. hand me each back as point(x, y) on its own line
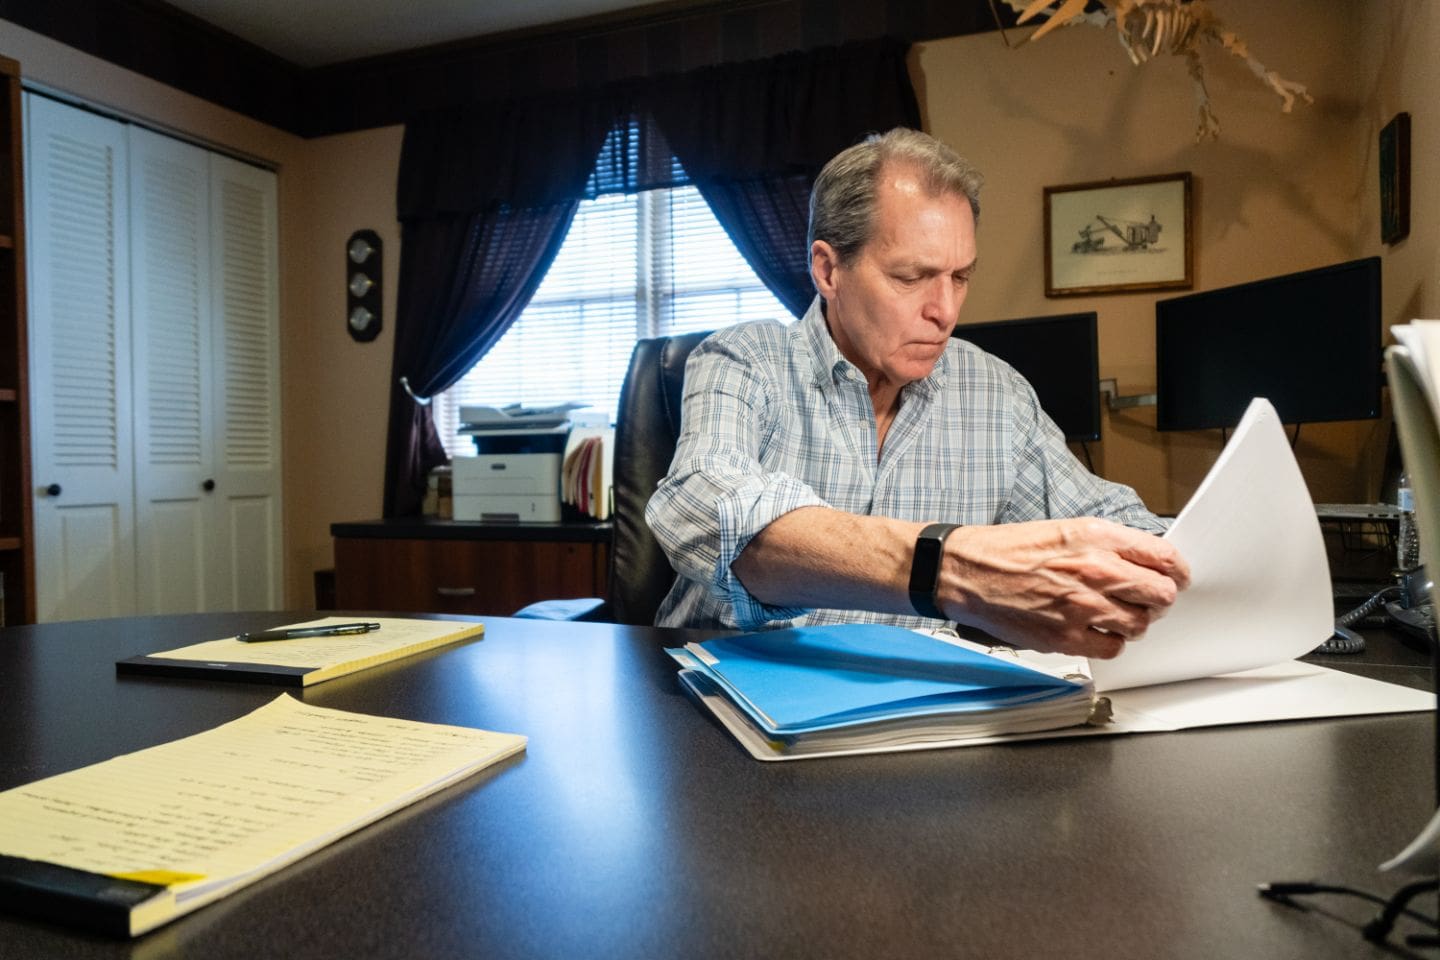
point(167, 878)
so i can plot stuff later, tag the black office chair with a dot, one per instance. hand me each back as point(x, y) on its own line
point(646, 430)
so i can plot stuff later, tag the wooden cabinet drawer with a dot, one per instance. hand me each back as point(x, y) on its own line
point(495, 577)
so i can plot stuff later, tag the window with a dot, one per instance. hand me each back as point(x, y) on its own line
point(632, 266)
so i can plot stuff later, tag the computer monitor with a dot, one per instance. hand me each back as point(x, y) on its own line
point(1060, 357)
point(1308, 342)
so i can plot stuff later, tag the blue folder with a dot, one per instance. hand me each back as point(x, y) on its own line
point(808, 679)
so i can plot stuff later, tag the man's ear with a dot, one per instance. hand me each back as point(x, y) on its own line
point(823, 263)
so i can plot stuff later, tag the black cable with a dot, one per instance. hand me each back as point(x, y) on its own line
point(1347, 641)
point(1392, 908)
point(1283, 891)
point(1342, 641)
point(1085, 449)
point(1377, 930)
point(1368, 607)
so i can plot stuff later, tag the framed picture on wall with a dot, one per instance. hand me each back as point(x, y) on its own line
point(1113, 236)
point(1395, 179)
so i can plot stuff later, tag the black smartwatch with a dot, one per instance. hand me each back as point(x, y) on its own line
point(925, 568)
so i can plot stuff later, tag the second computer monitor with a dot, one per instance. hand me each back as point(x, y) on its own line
point(1309, 342)
point(1060, 357)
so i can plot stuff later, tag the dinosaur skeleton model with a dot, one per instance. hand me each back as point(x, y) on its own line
point(1150, 27)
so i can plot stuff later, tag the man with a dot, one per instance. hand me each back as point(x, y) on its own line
point(863, 465)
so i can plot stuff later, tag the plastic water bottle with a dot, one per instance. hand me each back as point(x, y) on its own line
point(1407, 543)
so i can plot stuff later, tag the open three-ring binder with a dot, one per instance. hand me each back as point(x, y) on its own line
point(1225, 653)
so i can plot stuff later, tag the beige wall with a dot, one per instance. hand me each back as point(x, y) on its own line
point(1275, 193)
point(1399, 39)
point(337, 397)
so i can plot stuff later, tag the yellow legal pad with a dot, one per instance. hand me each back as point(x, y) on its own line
point(304, 661)
point(125, 845)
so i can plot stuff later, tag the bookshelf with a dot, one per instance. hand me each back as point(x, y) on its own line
point(17, 549)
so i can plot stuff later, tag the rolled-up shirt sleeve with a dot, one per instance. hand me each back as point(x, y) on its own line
point(718, 495)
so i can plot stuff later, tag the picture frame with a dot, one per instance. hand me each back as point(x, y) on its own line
point(1115, 236)
point(1395, 179)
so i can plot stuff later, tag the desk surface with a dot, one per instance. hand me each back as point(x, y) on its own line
point(634, 826)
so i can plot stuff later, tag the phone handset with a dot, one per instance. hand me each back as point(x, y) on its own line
point(1414, 610)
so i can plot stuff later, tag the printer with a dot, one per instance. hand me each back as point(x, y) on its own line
point(515, 472)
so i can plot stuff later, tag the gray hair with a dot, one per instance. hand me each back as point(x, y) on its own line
point(842, 201)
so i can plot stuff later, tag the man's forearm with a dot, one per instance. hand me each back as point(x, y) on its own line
point(1083, 586)
point(820, 557)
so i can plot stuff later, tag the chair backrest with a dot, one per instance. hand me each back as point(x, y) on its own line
point(646, 429)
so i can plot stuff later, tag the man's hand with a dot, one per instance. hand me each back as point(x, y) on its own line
point(1082, 586)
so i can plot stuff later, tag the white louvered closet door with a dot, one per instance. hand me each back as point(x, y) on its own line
point(179, 556)
point(79, 292)
point(154, 371)
point(245, 294)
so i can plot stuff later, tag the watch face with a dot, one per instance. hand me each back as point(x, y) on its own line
point(925, 568)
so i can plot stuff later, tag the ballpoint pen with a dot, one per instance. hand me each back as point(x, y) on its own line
point(296, 633)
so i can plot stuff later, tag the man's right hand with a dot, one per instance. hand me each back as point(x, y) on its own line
point(1081, 586)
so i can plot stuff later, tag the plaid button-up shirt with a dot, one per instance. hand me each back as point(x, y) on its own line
point(775, 419)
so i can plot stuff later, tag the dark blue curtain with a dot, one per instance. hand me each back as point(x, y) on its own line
point(753, 136)
point(456, 271)
point(487, 192)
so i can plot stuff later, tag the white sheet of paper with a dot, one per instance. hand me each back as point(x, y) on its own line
point(1422, 339)
point(1282, 691)
point(1420, 855)
point(1260, 580)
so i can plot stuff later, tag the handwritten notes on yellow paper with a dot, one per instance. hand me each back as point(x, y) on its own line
point(225, 807)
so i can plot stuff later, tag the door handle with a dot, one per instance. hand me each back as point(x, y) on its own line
point(208, 485)
point(53, 490)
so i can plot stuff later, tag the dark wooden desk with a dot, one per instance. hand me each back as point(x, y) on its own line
point(634, 827)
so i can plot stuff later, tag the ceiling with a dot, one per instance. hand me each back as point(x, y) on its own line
point(315, 33)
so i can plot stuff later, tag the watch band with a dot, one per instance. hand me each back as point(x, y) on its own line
point(925, 568)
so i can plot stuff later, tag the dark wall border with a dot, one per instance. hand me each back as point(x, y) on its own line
point(165, 44)
point(168, 45)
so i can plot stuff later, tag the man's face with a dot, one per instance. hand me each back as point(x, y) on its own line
point(891, 310)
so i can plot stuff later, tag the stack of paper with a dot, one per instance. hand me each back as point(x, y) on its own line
point(1414, 374)
point(302, 662)
point(585, 475)
point(818, 690)
point(128, 844)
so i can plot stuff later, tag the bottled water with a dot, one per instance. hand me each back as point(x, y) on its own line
point(1407, 542)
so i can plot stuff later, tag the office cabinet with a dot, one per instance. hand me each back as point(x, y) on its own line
point(155, 372)
point(17, 571)
point(459, 567)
